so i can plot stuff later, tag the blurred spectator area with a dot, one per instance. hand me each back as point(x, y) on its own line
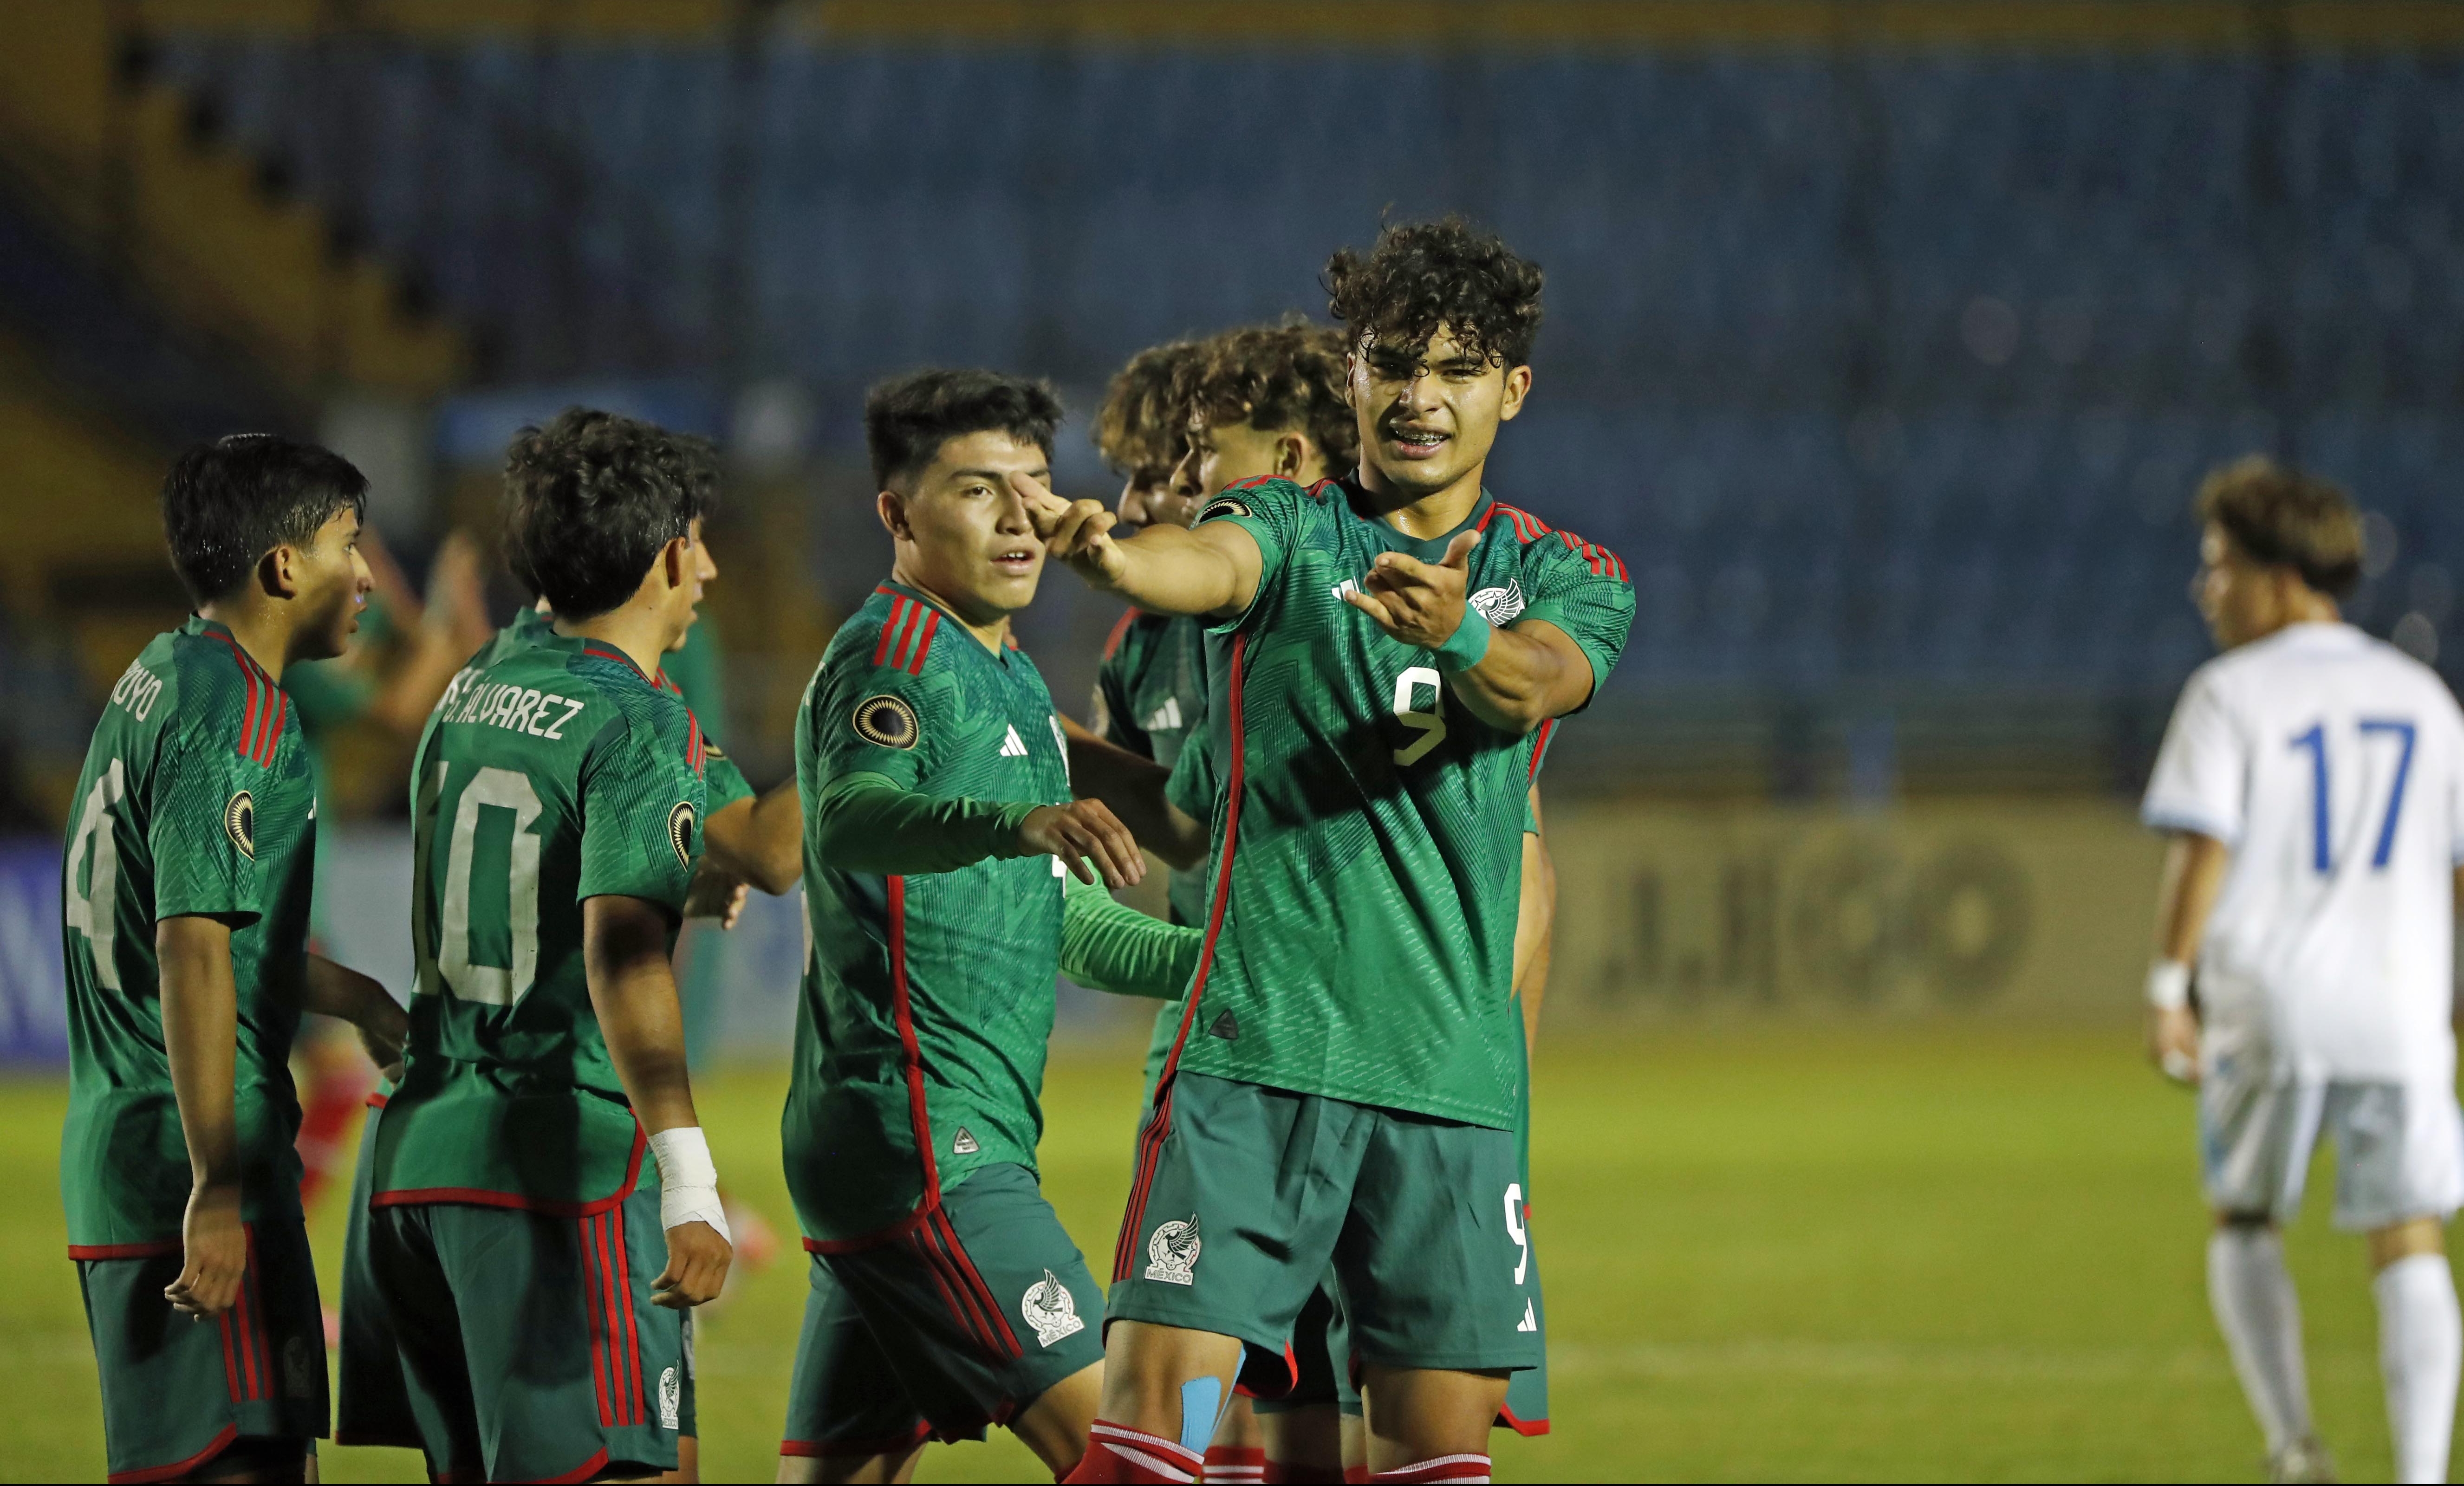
point(1885, 341)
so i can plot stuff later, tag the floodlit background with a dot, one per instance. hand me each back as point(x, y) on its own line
point(1885, 343)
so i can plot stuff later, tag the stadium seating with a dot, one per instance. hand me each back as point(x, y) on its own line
point(1890, 367)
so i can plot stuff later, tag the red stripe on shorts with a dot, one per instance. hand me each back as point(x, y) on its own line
point(624, 1300)
point(594, 1317)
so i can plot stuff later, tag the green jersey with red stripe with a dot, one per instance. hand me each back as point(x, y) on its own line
point(555, 772)
point(197, 797)
point(1367, 826)
point(928, 999)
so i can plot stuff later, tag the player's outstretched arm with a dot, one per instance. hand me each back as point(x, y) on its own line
point(1209, 571)
point(1136, 790)
point(332, 989)
point(633, 992)
point(867, 822)
point(761, 840)
point(1109, 946)
point(201, 1037)
point(1515, 679)
point(2194, 874)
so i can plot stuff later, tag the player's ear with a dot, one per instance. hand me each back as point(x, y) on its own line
point(1292, 451)
point(892, 507)
point(277, 571)
point(1518, 386)
point(677, 559)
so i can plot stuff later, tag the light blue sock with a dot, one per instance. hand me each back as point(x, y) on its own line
point(1201, 1400)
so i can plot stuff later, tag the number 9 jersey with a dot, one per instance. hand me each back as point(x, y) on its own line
point(2332, 766)
point(1369, 827)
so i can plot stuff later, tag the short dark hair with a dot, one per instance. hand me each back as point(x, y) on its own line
point(908, 419)
point(592, 498)
point(228, 503)
point(2286, 519)
point(1287, 376)
point(1424, 274)
point(1143, 428)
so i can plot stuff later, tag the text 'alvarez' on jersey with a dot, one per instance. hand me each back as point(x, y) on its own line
point(2332, 765)
point(928, 997)
point(555, 773)
point(1368, 829)
point(198, 797)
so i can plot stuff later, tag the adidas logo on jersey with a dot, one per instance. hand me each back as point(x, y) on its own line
point(965, 1143)
point(1167, 717)
point(1012, 745)
point(1531, 1321)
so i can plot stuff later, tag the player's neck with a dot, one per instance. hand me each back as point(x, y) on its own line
point(991, 633)
point(2310, 609)
point(640, 635)
point(262, 630)
point(1425, 516)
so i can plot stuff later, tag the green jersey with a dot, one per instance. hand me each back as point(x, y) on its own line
point(554, 772)
point(197, 797)
point(1151, 699)
point(1368, 827)
point(928, 997)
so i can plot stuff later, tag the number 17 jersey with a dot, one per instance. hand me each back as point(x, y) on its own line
point(2332, 765)
point(1368, 826)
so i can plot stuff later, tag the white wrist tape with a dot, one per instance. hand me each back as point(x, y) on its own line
point(2168, 985)
point(688, 1182)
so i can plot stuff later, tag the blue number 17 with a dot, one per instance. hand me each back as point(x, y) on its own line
point(2315, 741)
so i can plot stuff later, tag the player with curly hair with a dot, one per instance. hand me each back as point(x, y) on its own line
point(1344, 1084)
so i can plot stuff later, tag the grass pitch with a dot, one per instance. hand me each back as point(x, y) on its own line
point(1772, 1251)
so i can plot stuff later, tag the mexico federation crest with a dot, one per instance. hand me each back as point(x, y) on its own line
point(1051, 1310)
point(680, 824)
point(1499, 606)
point(886, 721)
point(239, 824)
point(1172, 1252)
point(672, 1398)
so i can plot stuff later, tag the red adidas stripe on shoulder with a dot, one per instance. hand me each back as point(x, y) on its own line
point(268, 707)
point(1120, 631)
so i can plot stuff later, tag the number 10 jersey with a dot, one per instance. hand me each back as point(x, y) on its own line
point(552, 772)
point(1368, 827)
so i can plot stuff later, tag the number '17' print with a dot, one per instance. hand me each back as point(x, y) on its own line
point(2314, 742)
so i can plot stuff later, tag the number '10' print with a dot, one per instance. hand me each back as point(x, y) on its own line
point(2314, 742)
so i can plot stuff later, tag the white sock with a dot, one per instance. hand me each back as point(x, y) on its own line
point(2261, 1320)
point(2421, 1351)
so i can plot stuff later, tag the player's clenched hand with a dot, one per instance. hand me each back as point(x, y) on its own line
point(2173, 1043)
point(213, 1253)
point(697, 1260)
point(714, 894)
point(1419, 604)
point(1084, 831)
point(1076, 532)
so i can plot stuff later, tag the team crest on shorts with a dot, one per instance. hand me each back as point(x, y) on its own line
point(1172, 1252)
point(1499, 606)
point(680, 824)
point(1051, 1310)
point(300, 1367)
point(887, 721)
point(239, 824)
point(672, 1398)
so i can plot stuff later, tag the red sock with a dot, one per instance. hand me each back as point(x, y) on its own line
point(1244, 1465)
point(1114, 1453)
point(1355, 1474)
point(1443, 1468)
point(1279, 1474)
point(332, 1112)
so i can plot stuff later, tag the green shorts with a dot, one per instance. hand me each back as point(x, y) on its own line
point(176, 1392)
point(948, 1328)
point(530, 1349)
point(1242, 1195)
point(372, 1405)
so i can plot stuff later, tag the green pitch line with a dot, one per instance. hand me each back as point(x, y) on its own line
point(1772, 1251)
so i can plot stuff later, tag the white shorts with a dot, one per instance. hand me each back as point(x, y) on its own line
point(2398, 1145)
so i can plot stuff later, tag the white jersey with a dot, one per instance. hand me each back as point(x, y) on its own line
point(2332, 767)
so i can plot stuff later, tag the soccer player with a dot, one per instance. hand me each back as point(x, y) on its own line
point(1384, 647)
point(533, 1280)
point(184, 904)
point(2312, 790)
point(948, 879)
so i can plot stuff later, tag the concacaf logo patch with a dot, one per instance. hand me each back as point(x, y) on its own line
point(680, 825)
point(1172, 1252)
point(1226, 507)
point(239, 824)
point(887, 721)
